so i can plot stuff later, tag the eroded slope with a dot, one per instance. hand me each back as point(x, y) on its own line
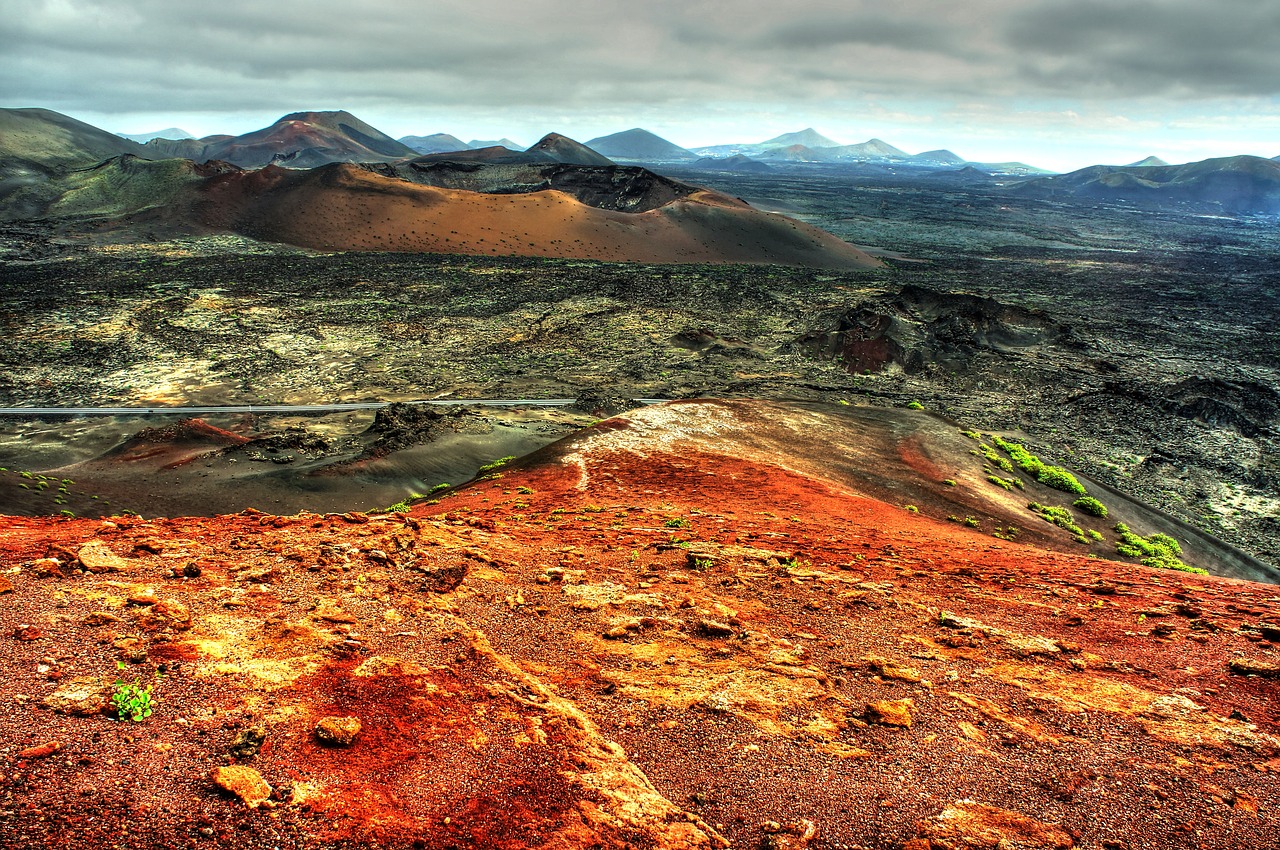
point(633, 638)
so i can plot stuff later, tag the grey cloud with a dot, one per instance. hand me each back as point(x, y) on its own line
point(157, 55)
point(1155, 47)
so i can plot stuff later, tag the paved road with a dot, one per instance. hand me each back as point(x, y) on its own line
point(284, 408)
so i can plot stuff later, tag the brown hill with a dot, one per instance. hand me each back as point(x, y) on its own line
point(299, 140)
point(651, 635)
point(343, 207)
point(564, 149)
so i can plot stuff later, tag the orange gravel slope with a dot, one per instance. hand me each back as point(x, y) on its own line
point(630, 639)
point(343, 207)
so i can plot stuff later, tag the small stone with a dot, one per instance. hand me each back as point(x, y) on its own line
point(82, 696)
point(95, 557)
point(971, 824)
point(244, 782)
point(143, 596)
point(27, 633)
point(891, 670)
point(41, 751)
point(895, 712)
point(191, 571)
point(6, 585)
point(1270, 631)
point(46, 567)
point(1255, 667)
point(98, 618)
point(714, 628)
point(338, 731)
point(248, 742)
point(616, 633)
point(330, 610)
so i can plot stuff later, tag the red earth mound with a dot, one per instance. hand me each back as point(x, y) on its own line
point(342, 207)
point(629, 639)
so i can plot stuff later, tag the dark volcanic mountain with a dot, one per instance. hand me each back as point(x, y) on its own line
point(435, 143)
point(564, 149)
point(298, 140)
point(639, 145)
point(307, 139)
point(1237, 184)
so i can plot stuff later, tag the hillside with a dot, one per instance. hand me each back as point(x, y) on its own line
point(563, 149)
point(342, 207)
point(1238, 184)
point(639, 145)
point(436, 143)
point(667, 631)
point(299, 140)
point(38, 143)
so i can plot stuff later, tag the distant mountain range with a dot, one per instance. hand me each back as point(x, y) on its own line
point(174, 133)
point(36, 144)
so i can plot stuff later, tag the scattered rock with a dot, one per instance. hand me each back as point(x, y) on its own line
point(338, 731)
point(1270, 631)
point(788, 836)
point(244, 782)
point(82, 696)
point(330, 610)
point(41, 751)
point(1025, 646)
point(715, 628)
point(95, 557)
point(954, 621)
point(444, 579)
point(98, 618)
point(143, 596)
point(1255, 667)
point(894, 712)
point(967, 825)
point(248, 742)
point(6, 586)
point(166, 613)
point(46, 567)
point(27, 633)
point(887, 669)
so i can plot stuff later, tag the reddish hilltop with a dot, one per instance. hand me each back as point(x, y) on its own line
point(633, 638)
point(342, 207)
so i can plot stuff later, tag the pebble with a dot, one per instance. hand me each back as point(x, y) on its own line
point(245, 782)
point(338, 731)
point(895, 712)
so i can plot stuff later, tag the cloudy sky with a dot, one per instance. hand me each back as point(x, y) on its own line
point(1058, 83)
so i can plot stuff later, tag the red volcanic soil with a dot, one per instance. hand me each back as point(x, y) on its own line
point(632, 638)
point(342, 207)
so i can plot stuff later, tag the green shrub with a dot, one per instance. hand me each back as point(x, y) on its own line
point(500, 462)
point(1156, 550)
point(443, 485)
point(1059, 516)
point(915, 405)
point(1051, 476)
point(1091, 506)
point(131, 700)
